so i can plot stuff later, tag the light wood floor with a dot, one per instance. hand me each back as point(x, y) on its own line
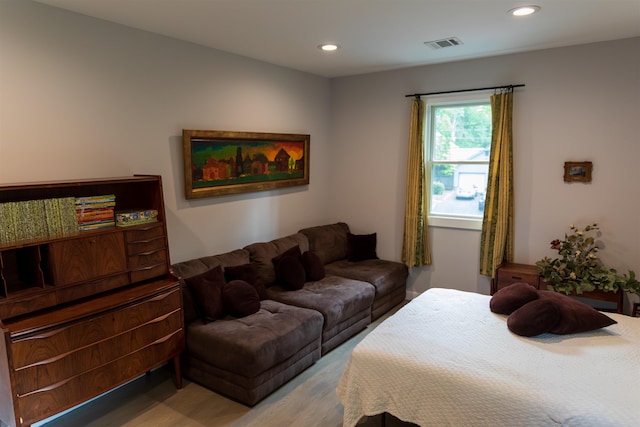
point(152, 400)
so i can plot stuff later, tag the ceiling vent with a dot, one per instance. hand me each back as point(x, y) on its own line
point(448, 42)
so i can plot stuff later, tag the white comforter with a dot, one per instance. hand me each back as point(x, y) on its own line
point(445, 360)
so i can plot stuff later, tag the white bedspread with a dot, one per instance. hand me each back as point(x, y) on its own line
point(445, 359)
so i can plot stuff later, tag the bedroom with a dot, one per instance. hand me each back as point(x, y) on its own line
point(122, 96)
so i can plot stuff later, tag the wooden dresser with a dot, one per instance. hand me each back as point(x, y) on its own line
point(509, 273)
point(85, 312)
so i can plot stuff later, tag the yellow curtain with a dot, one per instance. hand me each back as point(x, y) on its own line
point(496, 241)
point(415, 247)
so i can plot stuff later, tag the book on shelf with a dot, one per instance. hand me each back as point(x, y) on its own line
point(95, 212)
point(37, 219)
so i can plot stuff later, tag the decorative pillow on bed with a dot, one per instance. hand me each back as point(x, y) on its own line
point(509, 299)
point(534, 318)
point(575, 316)
point(240, 299)
point(207, 289)
point(361, 247)
point(248, 273)
point(313, 266)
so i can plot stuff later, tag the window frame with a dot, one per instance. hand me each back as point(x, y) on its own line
point(464, 222)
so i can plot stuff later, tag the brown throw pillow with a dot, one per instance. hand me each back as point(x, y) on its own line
point(575, 316)
point(290, 273)
point(313, 266)
point(534, 318)
point(361, 247)
point(207, 289)
point(509, 299)
point(293, 251)
point(240, 299)
point(248, 273)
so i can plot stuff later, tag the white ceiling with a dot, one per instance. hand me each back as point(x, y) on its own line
point(374, 35)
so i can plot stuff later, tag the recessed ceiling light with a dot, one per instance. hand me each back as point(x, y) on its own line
point(328, 47)
point(524, 10)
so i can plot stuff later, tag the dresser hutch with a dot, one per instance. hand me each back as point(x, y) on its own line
point(86, 311)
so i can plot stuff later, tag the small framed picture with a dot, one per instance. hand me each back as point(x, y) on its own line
point(577, 171)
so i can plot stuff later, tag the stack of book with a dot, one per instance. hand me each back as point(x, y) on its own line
point(36, 219)
point(94, 212)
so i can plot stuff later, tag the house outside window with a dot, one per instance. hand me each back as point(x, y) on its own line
point(458, 145)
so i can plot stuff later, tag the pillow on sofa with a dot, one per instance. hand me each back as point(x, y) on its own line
point(361, 247)
point(313, 266)
point(293, 251)
point(290, 273)
point(509, 299)
point(207, 289)
point(248, 273)
point(575, 316)
point(240, 299)
point(534, 318)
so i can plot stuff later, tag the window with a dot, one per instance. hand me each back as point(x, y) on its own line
point(458, 146)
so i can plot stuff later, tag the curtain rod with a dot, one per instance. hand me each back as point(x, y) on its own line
point(418, 95)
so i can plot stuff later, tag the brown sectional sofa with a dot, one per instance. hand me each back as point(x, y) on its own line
point(249, 357)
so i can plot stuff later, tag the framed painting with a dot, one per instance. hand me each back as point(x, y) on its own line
point(218, 163)
point(577, 171)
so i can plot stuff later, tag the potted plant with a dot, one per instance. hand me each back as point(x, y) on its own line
point(579, 269)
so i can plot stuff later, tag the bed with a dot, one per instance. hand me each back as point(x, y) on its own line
point(445, 359)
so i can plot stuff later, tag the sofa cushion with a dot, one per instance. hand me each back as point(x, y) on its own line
point(386, 276)
point(329, 241)
point(290, 273)
point(248, 273)
point(337, 298)
point(313, 266)
point(263, 253)
point(240, 299)
point(207, 288)
point(251, 345)
point(361, 247)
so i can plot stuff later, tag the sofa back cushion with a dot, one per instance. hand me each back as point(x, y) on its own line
point(263, 254)
point(329, 242)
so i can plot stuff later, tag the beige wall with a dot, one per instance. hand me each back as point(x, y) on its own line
point(579, 103)
point(83, 98)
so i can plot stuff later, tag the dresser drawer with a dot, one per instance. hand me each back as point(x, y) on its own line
point(48, 401)
point(40, 347)
point(148, 259)
point(49, 372)
point(148, 272)
point(26, 304)
point(509, 274)
point(71, 293)
point(144, 233)
point(142, 246)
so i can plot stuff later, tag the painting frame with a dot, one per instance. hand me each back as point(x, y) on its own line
point(218, 163)
point(577, 171)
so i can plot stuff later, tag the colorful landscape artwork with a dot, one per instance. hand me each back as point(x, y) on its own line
point(218, 162)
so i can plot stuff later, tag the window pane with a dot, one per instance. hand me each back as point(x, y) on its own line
point(458, 189)
point(460, 141)
point(459, 131)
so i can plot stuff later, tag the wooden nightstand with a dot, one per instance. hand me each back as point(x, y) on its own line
point(510, 273)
